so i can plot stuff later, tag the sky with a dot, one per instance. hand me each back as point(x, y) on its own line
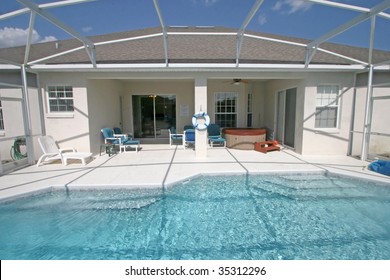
point(296, 18)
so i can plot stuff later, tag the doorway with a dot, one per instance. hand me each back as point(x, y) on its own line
point(153, 115)
point(286, 111)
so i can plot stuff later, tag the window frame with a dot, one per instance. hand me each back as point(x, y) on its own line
point(65, 91)
point(216, 107)
point(335, 104)
point(249, 116)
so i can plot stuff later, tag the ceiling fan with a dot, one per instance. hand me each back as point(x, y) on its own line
point(238, 82)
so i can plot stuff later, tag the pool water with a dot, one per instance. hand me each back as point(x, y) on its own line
point(218, 217)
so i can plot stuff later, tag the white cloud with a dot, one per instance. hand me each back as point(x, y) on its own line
point(205, 2)
point(86, 29)
point(262, 19)
point(278, 6)
point(47, 39)
point(210, 2)
point(291, 6)
point(11, 37)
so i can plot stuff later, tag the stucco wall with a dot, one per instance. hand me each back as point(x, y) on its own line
point(97, 103)
point(360, 104)
point(332, 141)
point(379, 145)
point(104, 108)
point(35, 117)
point(259, 104)
point(14, 122)
point(68, 129)
point(379, 78)
point(308, 139)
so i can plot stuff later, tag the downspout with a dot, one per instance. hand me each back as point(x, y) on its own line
point(27, 118)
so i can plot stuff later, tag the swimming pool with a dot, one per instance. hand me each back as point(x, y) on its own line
point(218, 217)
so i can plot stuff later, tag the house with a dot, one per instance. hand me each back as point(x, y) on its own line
point(314, 104)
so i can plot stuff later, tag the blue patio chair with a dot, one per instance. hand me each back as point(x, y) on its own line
point(214, 135)
point(118, 131)
point(173, 136)
point(120, 140)
point(189, 137)
point(188, 126)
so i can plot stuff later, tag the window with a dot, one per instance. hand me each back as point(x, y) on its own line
point(327, 107)
point(60, 98)
point(1, 117)
point(226, 109)
point(249, 110)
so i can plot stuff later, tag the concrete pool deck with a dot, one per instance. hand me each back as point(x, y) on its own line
point(159, 165)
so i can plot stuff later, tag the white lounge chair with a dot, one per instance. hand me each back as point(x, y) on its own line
point(52, 152)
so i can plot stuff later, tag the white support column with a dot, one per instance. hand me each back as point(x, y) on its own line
point(368, 114)
point(367, 117)
point(164, 30)
point(29, 37)
point(27, 118)
point(200, 105)
point(240, 33)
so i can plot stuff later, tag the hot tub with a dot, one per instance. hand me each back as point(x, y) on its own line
point(243, 138)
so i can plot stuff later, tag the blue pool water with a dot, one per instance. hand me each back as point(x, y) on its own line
point(235, 217)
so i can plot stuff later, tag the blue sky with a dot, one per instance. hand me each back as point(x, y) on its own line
point(285, 17)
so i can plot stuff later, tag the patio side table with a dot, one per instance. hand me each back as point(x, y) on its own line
point(109, 148)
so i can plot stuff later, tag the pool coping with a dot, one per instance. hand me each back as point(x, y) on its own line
point(163, 167)
point(76, 187)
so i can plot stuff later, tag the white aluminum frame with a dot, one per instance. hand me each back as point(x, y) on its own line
point(241, 31)
point(36, 9)
point(311, 48)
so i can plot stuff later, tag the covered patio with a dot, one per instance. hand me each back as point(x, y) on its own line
point(102, 77)
point(171, 166)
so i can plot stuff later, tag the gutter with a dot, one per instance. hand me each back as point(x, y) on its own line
point(199, 67)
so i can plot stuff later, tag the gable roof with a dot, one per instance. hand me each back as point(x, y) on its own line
point(191, 45)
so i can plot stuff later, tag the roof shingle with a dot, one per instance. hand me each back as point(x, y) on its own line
point(209, 45)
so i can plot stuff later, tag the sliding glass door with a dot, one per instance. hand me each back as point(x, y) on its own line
point(153, 115)
point(285, 124)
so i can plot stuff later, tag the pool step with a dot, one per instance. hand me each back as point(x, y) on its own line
point(309, 187)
